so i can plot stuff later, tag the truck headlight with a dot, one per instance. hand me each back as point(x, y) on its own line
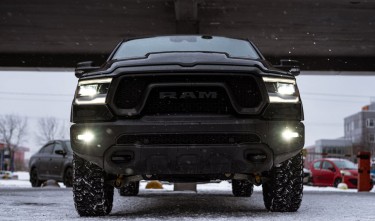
point(281, 90)
point(285, 88)
point(92, 91)
point(88, 90)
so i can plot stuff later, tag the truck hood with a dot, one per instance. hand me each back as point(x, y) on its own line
point(185, 60)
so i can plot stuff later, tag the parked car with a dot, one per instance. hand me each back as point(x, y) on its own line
point(332, 171)
point(372, 173)
point(52, 162)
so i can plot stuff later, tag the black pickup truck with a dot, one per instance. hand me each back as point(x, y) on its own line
point(187, 109)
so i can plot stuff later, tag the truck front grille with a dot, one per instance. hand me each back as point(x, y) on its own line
point(233, 92)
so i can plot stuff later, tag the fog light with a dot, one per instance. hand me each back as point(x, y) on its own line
point(288, 134)
point(86, 137)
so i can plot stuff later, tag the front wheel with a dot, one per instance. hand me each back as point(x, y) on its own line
point(68, 177)
point(131, 189)
point(283, 191)
point(242, 188)
point(93, 196)
point(337, 182)
point(34, 180)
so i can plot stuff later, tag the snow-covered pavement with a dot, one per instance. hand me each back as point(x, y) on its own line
point(211, 202)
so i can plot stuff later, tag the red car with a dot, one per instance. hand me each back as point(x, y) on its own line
point(331, 172)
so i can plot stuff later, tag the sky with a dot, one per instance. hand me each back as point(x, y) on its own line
point(327, 100)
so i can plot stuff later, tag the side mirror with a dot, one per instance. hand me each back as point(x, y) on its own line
point(291, 66)
point(60, 152)
point(84, 67)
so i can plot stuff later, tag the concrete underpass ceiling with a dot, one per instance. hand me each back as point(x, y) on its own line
point(323, 34)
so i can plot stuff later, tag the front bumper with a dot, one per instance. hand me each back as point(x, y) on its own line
point(351, 181)
point(156, 156)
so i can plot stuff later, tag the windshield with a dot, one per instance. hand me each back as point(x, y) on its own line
point(345, 165)
point(139, 48)
point(68, 145)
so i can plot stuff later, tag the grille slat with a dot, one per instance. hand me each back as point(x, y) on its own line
point(187, 139)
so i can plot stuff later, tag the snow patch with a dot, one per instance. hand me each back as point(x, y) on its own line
point(22, 175)
point(23, 182)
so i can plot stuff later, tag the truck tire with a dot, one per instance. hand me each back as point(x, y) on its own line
point(283, 191)
point(92, 195)
point(131, 189)
point(242, 188)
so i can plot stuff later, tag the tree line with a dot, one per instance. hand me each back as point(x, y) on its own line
point(14, 130)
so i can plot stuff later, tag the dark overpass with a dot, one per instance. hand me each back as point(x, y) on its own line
point(323, 34)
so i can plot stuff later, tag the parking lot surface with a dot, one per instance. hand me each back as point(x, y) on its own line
point(211, 202)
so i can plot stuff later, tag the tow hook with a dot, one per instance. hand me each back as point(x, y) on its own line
point(119, 181)
point(258, 180)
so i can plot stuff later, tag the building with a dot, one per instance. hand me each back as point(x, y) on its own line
point(329, 148)
point(360, 129)
point(19, 158)
point(359, 135)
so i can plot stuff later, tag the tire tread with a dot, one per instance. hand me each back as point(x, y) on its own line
point(92, 196)
point(242, 188)
point(284, 191)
